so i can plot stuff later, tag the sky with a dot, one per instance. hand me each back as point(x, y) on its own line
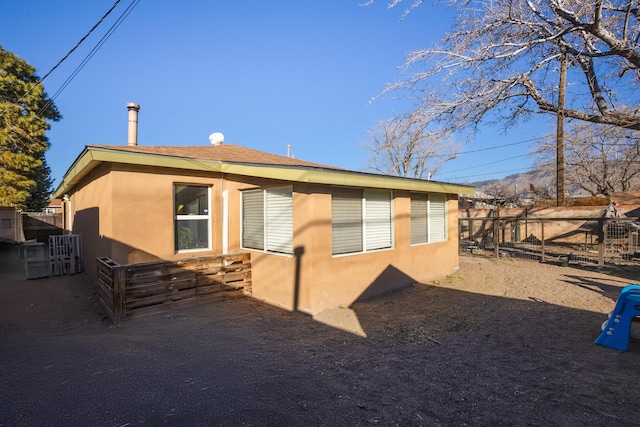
point(268, 75)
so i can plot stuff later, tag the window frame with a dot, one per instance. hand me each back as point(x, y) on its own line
point(275, 225)
point(363, 225)
point(177, 218)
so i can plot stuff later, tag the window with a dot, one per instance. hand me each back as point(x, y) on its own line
point(437, 217)
point(192, 213)
point(346, 221)
point(419, 219)
point(267, 220)
point(5, 223)
point(428, 218)
point(361, 220)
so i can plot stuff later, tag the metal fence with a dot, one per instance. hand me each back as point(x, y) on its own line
point(579, 240)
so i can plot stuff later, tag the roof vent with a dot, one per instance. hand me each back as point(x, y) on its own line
point(216, 138)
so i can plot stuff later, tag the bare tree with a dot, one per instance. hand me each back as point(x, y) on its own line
point(500, 62)
point(404, 146)
point(502, 194)
point(599, 159)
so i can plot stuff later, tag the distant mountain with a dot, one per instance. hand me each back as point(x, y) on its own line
point(523, 183)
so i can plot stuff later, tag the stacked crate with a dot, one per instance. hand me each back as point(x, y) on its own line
point(65, 254)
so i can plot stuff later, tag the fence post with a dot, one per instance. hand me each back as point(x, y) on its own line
point(601, 242)
point(118, 293)
point(542, 240)
point(459, 236)
point(496, 237)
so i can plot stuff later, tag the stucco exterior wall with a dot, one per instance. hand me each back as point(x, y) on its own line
point(91, 215)
point(126, 213)
point(323, 281)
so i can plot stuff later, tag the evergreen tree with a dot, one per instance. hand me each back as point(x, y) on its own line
point(25, 109)
point(39, 196)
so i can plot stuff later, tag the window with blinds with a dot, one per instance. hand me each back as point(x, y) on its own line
point(419, 219)
point(253, 219)
point(267, 220)
point(437, 217)
point(377, 219)
point(361, 220)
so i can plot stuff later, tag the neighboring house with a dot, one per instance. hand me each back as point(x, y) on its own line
point(53, 207)
point(319, 237)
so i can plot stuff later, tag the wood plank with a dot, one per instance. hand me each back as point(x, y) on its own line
point(174, 280)
point(222, 291)
point(106, 279)
point(108, 310)
point(186, 275)
point(133, 303)
point(178, 305)
point(162, 287)
point(106, 297)
point(106, 290)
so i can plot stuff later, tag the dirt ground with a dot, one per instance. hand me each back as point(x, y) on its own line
point(500, 342)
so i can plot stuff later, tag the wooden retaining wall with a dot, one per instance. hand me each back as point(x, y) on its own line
point(154, 287)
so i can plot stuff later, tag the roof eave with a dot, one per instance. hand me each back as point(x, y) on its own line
point(92, 156)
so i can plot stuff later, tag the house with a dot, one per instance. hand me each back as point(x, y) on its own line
point(319, 237)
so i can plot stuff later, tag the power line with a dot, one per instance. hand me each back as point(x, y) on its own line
point(93, 51)
point(39, 82)
point(486, 164)
point(488, 173)
point(80, 42)
point(495, 147)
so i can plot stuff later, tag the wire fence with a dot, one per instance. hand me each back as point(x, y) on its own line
point(564, 240)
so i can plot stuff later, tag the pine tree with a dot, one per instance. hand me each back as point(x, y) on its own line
point(25, 110)
point(39, 196)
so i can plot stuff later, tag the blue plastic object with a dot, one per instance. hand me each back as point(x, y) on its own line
point(616, 330)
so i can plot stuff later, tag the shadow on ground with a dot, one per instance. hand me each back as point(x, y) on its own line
point(431, 356)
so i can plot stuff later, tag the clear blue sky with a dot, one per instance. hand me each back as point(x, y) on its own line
point(266, 74)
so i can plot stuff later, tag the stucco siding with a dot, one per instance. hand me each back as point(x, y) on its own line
point(314, 280)
point(126, 213)
point(91, 215)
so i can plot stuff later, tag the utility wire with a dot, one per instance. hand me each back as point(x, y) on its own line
point(486, 164)
point(93, 51)
point(495, 147)
point(521, 170)
point(81, 40)
point(39, 82)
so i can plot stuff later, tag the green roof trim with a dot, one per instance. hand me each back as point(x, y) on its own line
point(92, 157)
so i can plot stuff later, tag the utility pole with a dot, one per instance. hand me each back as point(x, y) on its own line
point(560, 133)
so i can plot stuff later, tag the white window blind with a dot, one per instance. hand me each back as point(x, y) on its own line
point(253, 219)
point(419, 223)
point(437, 217)
point(377, 219)
point(267, 220)
point(346, 220)
point(362, 220)
point(279, 214)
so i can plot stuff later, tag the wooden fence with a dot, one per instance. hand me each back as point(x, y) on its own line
point(148, 288)
point(40, 225)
